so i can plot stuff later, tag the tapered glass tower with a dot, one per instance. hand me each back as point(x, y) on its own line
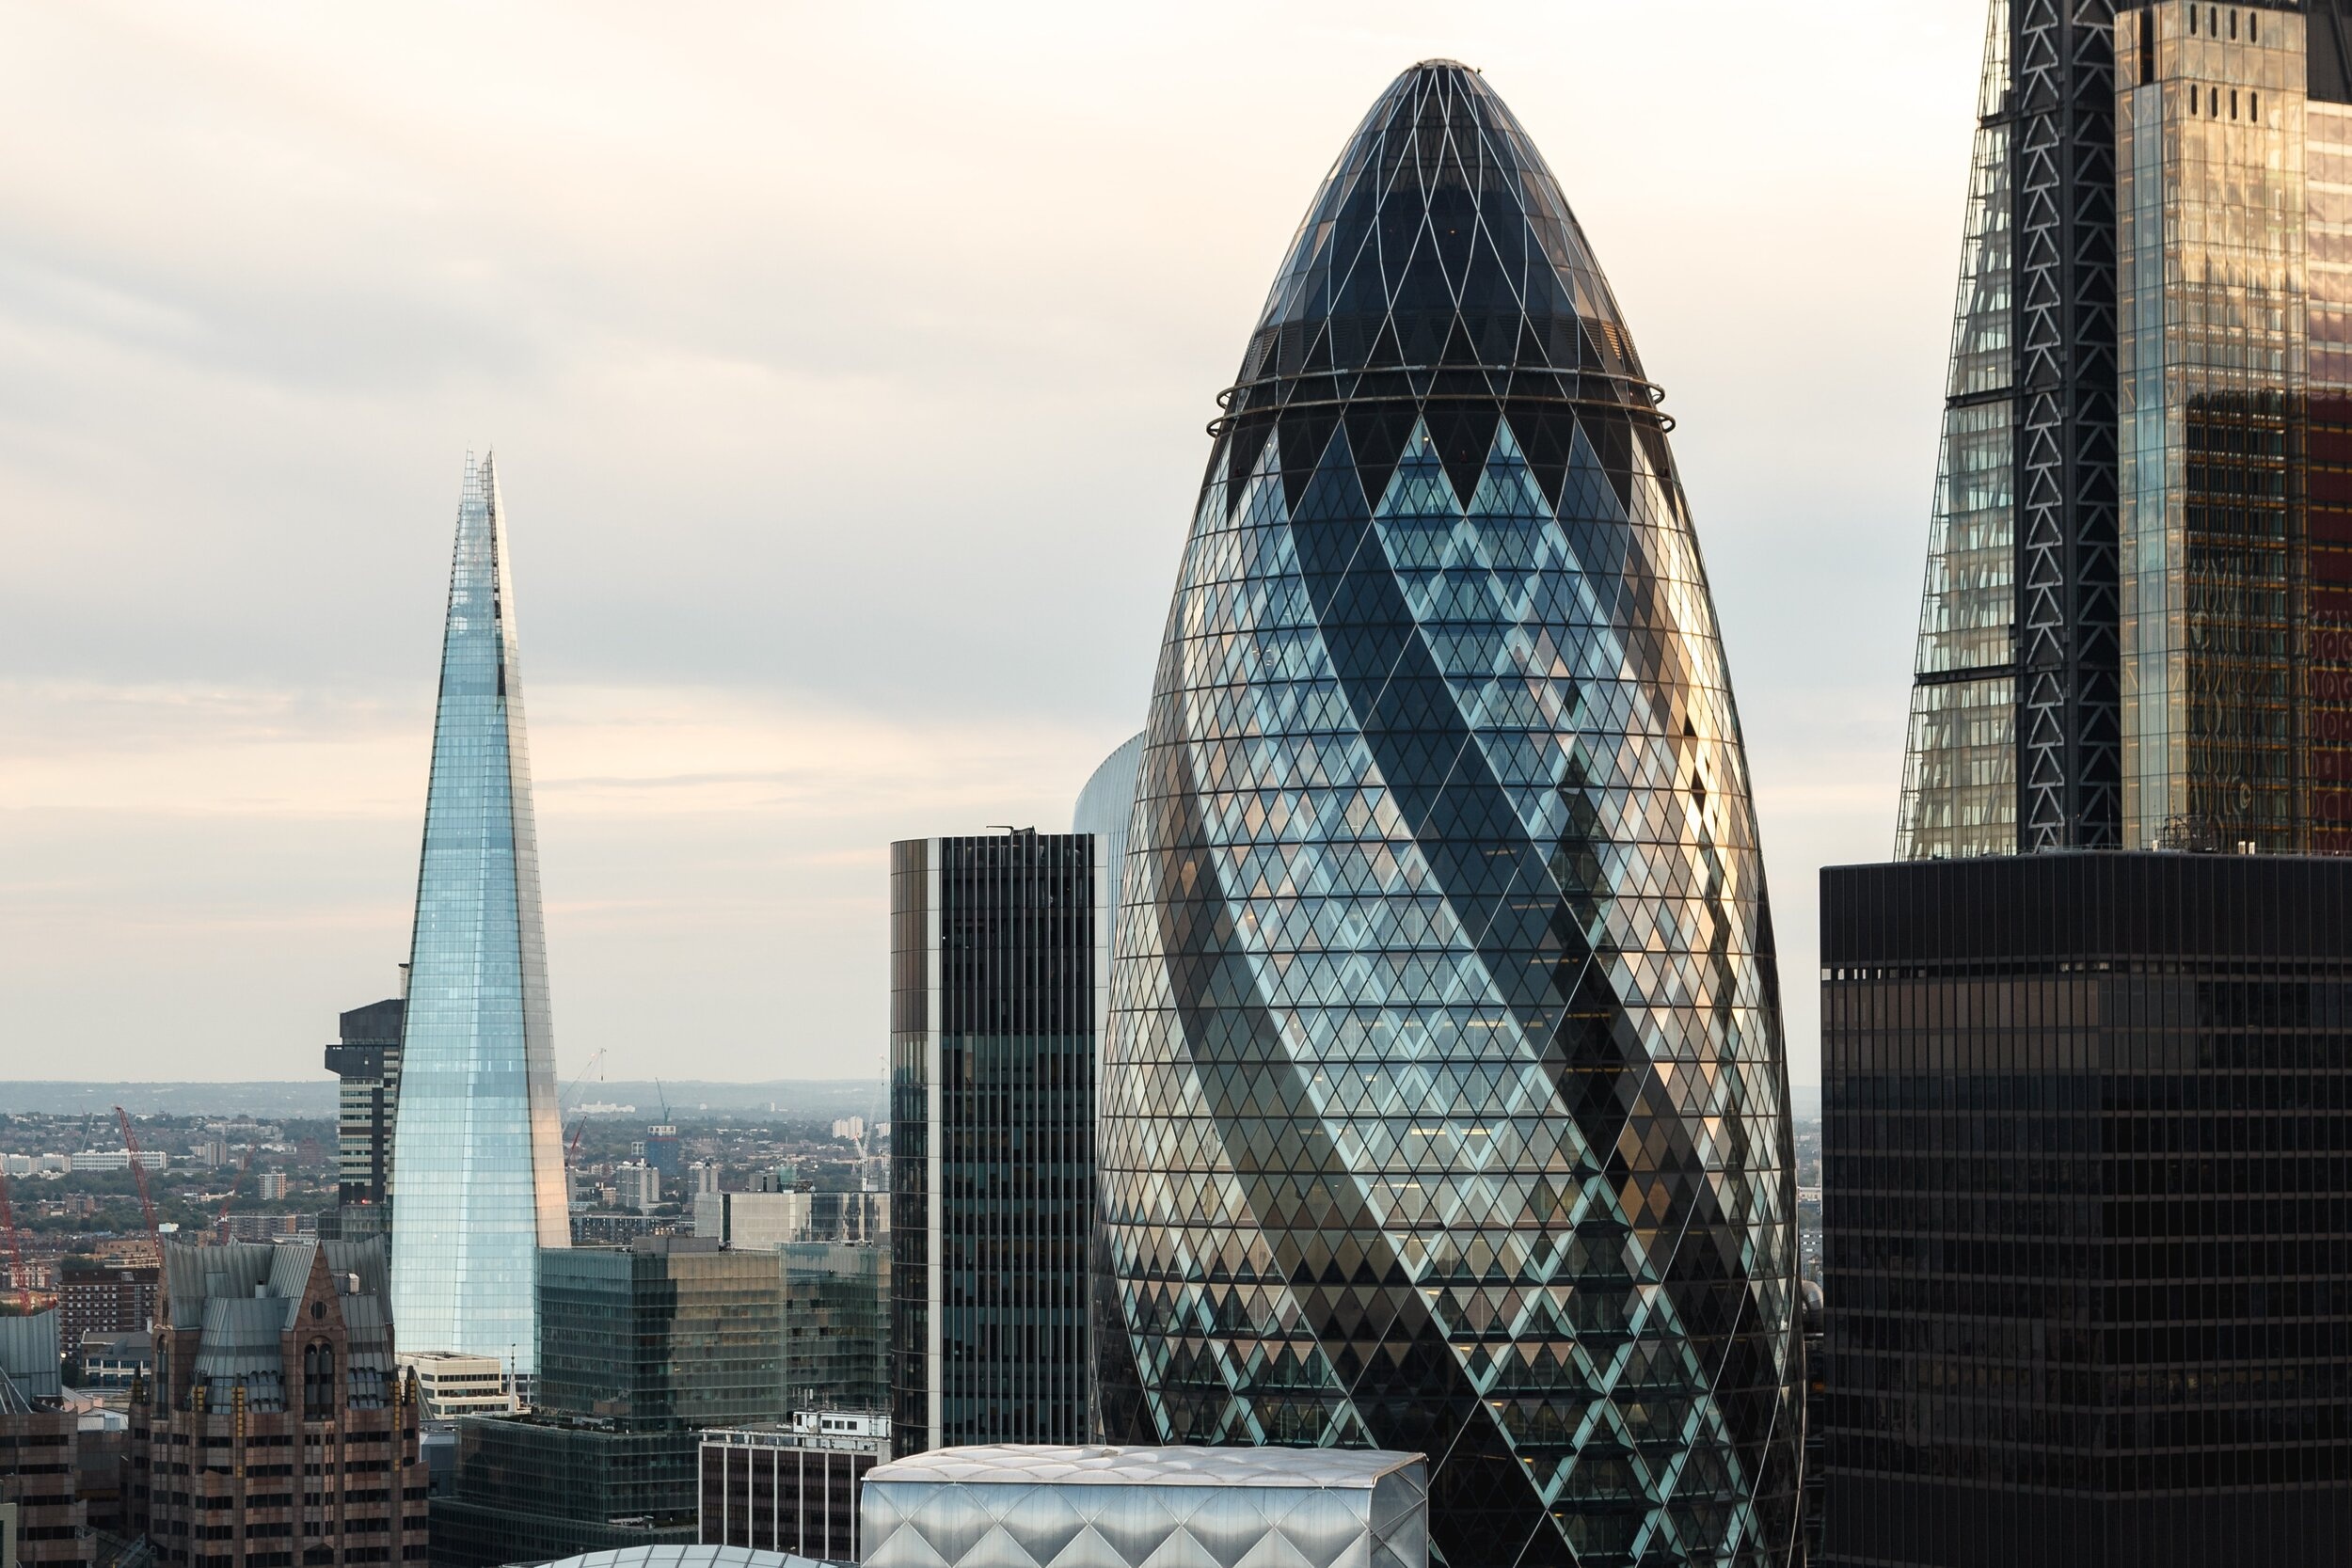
point(1444, 1106)
point(478, 1165)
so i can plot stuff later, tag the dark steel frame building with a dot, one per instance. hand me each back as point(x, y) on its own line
point(2089, 1211)
point(996, 998)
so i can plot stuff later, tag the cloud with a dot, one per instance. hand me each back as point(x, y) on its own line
point(847, 367)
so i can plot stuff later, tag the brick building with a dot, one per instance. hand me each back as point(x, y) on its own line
point(112, 1299)
point(278, 1430)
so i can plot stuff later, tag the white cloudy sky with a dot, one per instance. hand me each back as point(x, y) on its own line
point(847, 367)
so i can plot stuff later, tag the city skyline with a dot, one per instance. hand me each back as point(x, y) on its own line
point(725, 754)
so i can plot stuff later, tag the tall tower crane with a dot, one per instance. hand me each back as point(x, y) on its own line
point(139, 1174)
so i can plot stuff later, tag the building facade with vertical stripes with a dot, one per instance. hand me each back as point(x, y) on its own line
point(2136, 628)
point(996, 967)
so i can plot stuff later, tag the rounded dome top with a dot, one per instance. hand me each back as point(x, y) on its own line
point(1439, 259)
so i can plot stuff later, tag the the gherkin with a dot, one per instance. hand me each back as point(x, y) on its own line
point(1444, 1106)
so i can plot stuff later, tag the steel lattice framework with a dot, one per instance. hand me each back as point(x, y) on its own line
point(2062, 106)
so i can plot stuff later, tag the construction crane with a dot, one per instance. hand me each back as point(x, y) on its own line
point(139, 1174)
point(16, 1247)
point(572, 1147)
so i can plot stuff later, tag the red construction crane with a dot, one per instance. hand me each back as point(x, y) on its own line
point(139, 1174)
point(16, 1247)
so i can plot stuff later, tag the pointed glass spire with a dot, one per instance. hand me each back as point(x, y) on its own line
point(1442, 1104)
point(478, 1165)
point(1959, 760)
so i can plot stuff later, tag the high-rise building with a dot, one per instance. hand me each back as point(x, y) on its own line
point(2137, 628)
point(366, 1057)
point(279, 1429)
point(661, 1149)
point(2088, 1277)
point(994, 1001)
point(639, 1350)
point(1444, 1107)
point(478, 1167)
point(1104, 806)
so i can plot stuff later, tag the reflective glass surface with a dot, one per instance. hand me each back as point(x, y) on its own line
point(992, 1053)
point(2087, 1227)
point(1959, 768)
point(1444, 1108)
point(2210, 332)
point(478, 1167)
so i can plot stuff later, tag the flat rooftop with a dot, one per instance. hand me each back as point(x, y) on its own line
point(1034, 1464)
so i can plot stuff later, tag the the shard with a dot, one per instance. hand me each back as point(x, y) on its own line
point(478, 1163)
point(1444, 1107)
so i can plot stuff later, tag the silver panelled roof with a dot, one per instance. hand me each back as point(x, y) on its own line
point(1014, 1464)
point(683, 1556)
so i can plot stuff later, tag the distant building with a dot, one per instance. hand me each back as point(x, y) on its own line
point(114, 1360)
point(367, 1059)
point(703, 1177)
point(661, 1149)
point(777, 1219)
point(996, 978)
point(98, 1160)
point(102, 1300)
point(851, 1128)
point(264, 1227)
point(618, 1230)
point(791, 1488)
point(275, 1364)
point(39, 1446)
point(1209, 1507)
point(273, 1186)
point(638, 1186)
point(638, 1350)
point(453, 1385)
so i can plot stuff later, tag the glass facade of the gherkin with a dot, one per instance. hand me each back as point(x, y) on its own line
point(478, 1162)
point(1444, 1107)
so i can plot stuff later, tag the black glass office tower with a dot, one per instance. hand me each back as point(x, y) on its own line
point(1444, 1106)
point(2089, 1211)
point(366, 1059)
point(995, 995)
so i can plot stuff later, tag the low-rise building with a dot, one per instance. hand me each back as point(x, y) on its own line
point(1217, 1508)
point(277, 1429)
point(85, 1160)
point(114, 1360)
point(791, 1488)
point(451, 1386)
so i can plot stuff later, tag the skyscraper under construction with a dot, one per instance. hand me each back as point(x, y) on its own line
point(2136, 627)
